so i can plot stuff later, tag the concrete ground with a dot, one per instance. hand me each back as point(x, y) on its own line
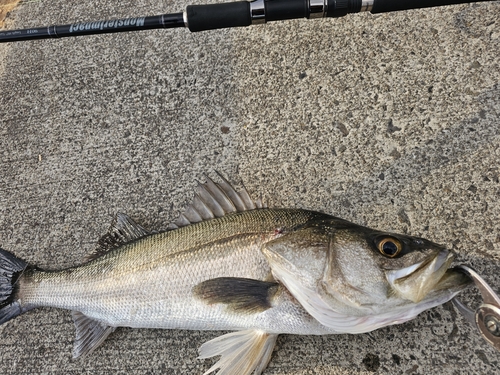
point(390, 121)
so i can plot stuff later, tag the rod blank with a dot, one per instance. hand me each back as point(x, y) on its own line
point(96, 27)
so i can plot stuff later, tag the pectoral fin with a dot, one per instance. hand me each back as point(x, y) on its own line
point(239, 294)
point(242, 352)
point(89, 334)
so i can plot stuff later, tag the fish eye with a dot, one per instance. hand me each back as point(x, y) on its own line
point(389, 246)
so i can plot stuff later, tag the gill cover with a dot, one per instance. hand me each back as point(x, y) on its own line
point(298, 261)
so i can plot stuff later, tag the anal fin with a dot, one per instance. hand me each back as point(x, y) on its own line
point(90, 334)
point(242, 352)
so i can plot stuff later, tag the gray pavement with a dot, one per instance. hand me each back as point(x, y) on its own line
point(389, 121)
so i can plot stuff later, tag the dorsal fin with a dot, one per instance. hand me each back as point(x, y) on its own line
point(215, 200)
point(89, 334)
point(122, 230)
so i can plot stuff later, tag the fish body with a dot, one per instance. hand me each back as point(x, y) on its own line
point(228, 263)
point(149, 282)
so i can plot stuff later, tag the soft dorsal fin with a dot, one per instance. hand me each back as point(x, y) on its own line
point(122, 230)
point(89, 334)
point(213, 200)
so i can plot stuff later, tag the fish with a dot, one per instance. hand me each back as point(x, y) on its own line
point(231, 263)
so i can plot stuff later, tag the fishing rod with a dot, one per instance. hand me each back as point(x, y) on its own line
point(226, 15)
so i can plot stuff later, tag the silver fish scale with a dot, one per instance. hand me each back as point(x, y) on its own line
point(148, 283)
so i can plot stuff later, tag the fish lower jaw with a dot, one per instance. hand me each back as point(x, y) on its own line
point(415, 282)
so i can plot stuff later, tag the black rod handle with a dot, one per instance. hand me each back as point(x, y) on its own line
point(218, 16)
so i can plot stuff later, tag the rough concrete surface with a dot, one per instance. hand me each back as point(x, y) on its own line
point(390, 121)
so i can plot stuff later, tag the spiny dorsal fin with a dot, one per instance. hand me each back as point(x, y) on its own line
point(242, 352)
point(122, 230)
point(213, 200)
point(89, 334)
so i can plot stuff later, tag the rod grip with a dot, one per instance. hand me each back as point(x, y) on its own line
point(218, 16)
point(279, 10)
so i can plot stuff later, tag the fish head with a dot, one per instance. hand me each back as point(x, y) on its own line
point(378, 266)
point(334, 265)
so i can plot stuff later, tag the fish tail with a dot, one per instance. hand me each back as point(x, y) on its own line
point(11, 270)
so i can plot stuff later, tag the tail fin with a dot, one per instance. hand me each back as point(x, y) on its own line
point(11, 269)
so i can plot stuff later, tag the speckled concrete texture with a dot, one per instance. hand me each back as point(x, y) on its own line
point(390, 121)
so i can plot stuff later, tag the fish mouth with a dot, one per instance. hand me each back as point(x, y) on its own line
point(432, 275)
